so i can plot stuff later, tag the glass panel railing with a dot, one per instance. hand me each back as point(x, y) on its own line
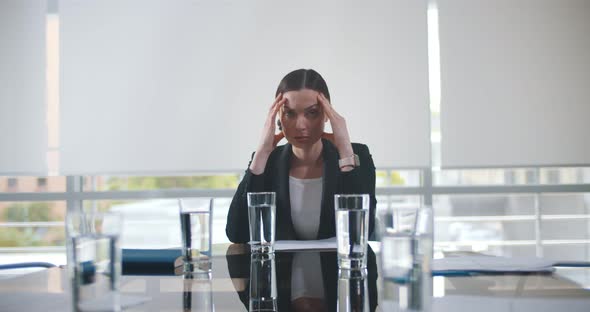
point(141, 183)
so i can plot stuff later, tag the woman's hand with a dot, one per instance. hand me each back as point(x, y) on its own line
point(269, 139)
point(340, 137)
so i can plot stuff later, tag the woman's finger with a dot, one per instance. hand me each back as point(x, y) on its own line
point(276, 102)
point(326, 106)
point(277, 107)
point(273, 114)
point(330, 111)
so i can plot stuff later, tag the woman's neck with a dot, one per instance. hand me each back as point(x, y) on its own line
point(307, 156)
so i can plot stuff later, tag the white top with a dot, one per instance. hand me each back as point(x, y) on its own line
point(306, 201)
point(306, 276)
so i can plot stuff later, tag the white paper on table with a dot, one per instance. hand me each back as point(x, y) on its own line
point(493, 264)
point(328, 243)
point(37, 301)
point(494, 304)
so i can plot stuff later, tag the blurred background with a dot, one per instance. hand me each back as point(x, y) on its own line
point(478, 108)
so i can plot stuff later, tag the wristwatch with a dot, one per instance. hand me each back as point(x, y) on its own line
point(352, 161)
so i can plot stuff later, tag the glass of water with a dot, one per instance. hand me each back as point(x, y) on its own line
point(352, 230)
point(406, 256)
point(94, 260)
point(195, 226)
point(261, 217)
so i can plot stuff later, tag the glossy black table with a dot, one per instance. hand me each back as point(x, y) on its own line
point(304, 281)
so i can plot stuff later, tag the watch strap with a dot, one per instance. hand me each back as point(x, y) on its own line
point(352, 161)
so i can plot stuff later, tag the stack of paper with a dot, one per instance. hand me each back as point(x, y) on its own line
point(322, 244)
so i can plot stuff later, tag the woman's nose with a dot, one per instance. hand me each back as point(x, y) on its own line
point(301, 123)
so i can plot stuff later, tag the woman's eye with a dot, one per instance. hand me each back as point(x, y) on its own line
point(289, 114)
point(313, 113)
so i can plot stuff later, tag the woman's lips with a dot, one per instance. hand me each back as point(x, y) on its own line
point(301, 138)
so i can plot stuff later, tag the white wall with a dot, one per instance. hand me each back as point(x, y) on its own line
point(184, 86)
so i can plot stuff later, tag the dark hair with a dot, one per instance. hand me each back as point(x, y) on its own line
point(303, 79)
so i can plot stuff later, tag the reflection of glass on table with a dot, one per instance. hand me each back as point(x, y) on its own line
point(352, 291)
point(406, 256)
point(94, 259)
point(263, 283)
point(306, 279)
point(197, 294)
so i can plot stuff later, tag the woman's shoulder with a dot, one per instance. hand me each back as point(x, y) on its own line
point(278, 151)
point(360, 148)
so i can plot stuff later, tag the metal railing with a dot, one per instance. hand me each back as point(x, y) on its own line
point(75, 195)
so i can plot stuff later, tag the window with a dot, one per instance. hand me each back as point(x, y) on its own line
point(42, 184)
point(12, 185)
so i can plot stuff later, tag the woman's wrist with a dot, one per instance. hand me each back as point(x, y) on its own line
point(259, 162)
point(345, 151)
point(347, 168)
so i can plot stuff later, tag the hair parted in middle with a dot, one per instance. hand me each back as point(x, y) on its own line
point(303, 79)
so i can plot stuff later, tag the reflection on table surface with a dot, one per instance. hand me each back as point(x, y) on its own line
point(306, 280)
point(298, 281)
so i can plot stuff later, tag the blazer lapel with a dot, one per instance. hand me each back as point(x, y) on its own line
point(284, 223)
point(327, 219)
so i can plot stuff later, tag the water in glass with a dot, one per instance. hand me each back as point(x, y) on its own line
point(196, 243)
point(352, 237)
point(262, 226)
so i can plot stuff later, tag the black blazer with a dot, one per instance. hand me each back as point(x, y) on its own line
point(275, 178)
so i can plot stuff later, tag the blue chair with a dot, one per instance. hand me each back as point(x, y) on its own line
point(25, 265)
point(150, 261)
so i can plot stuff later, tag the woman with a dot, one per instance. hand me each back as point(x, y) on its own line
point(306, 172)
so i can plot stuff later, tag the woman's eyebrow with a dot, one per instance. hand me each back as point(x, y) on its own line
point(316, 105)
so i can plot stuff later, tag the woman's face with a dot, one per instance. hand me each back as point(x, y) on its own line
point(302, 118)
